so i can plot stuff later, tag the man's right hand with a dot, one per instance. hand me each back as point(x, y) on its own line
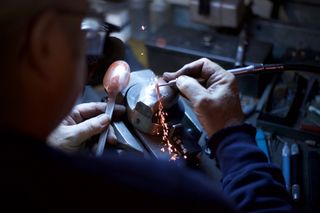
point(218, 104)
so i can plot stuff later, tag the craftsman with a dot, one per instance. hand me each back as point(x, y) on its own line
point(42, 73)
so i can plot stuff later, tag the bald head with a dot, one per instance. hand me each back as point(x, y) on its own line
point(17, 15)
point(42, 61)
point(39, 71)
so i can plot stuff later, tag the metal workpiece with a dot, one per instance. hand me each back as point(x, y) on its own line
point(143, 104)
point(143, 126)
point(139, 114)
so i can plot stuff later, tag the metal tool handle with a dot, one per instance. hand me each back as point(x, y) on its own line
point(264, 68)
point(174, 81)
point(104, 134)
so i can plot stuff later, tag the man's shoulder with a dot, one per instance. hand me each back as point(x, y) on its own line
point(39, 172)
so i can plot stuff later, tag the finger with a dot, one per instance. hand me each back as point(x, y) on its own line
point(69, 121)
point(119, 111)
point(168, 76)
point(190, 88)
point(112, 138)
point(202, 68)
point(91, 127)
point(192, 69)
point(219, 76)
point(87, 110)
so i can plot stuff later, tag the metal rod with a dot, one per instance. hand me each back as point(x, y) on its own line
point(264, 68)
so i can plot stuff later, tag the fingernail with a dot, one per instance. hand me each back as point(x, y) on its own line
point(180, 80)
point(104, 120)
point(166, 75)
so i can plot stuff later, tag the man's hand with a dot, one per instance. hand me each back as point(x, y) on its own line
point(218, 105)
point(83, 122)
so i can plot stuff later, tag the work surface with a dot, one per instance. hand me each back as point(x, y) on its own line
point(271, 139)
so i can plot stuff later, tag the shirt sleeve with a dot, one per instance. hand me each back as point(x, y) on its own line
point(247, 178)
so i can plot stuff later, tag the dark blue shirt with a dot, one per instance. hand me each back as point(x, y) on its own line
point(248, 179)
point(35, 176)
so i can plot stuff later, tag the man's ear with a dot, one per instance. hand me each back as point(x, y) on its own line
point(42, 35)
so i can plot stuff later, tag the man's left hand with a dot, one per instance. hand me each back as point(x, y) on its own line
point(85, 121)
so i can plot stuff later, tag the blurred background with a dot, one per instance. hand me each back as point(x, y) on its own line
point(270, 30)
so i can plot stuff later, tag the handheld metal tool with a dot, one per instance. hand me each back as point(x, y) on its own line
point(114, 81)
point(263, 68)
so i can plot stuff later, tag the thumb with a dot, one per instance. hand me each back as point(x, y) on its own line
point(169, 76)
point(190, 88)
point(92, 126)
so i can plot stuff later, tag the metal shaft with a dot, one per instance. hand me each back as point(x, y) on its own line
point(264, 68)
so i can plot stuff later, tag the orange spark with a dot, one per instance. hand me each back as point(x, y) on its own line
point(161, 115)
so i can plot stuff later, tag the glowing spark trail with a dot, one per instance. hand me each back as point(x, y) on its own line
point(161, 116)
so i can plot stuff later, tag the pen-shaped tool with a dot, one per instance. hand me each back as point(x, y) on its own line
point(173, 82)
point(262, 68)
point(114, 81)
point(237, 71)
point(295, 171)
point(286, 165)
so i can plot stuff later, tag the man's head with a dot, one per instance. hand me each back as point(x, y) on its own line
point(42, 62)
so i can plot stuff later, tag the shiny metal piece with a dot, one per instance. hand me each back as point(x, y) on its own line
point(169, 83)
point(143, 103)
point(115, 80)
